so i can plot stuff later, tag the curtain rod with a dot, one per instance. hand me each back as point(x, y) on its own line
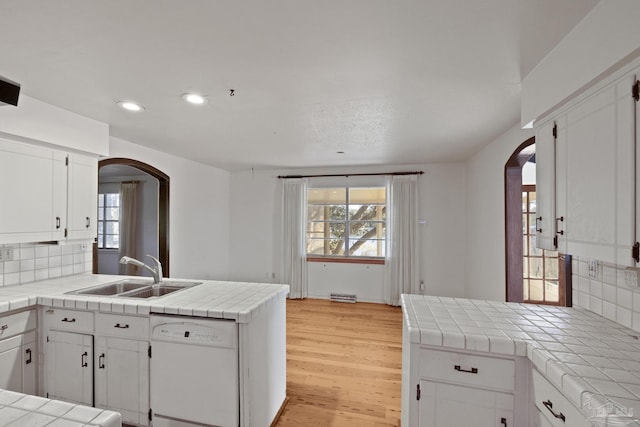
point(347, 175)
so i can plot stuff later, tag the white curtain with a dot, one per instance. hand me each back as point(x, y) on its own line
point(294, 251)
point(128, 215)
point(401, 261)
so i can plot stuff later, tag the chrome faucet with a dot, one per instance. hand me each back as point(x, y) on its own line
point(156, 271)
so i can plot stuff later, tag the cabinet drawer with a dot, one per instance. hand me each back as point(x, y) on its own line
point(69, 320)
point(17, 323)
point(554, 406)
point(467, 369)
point(122, 326)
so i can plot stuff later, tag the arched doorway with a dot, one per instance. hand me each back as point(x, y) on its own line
point(532, 275)
point(163, 207)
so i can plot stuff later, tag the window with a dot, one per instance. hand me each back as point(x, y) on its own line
point(109, 221)
point(540, 267)
point(346, 222)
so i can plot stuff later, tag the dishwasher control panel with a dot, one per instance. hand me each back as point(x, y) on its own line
point(214, 333)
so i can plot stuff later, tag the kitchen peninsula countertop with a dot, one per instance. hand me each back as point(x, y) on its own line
point(237, 301)
point(592, 360)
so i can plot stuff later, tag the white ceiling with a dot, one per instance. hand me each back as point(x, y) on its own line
point(385, 81)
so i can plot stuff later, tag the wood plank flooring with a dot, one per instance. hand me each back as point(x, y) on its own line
point(343, 364)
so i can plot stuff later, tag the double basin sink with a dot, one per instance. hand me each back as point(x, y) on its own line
point(132, 288)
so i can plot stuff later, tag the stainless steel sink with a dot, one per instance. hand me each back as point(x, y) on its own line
point(158, 290)
point(132, 288)
point(114, 288)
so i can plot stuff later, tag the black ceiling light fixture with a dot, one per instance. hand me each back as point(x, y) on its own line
point(9, 92)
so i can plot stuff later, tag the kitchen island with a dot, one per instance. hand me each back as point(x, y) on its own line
point(506, 364)
point(258, 310)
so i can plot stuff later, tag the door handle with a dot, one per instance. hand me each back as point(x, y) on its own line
point(547, 404)
point(471, 371)
point(101, 361)
point(28, 352)
point(84, 359)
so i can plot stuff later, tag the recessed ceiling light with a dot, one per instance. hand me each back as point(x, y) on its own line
point(194, 98)
point(130, 106)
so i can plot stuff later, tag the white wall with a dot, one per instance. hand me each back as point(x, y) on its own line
point(485, 242)
point(255, 230)
point(605, 37)
point(199, 211)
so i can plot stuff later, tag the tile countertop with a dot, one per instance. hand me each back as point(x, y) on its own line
point(237, 301)
point(592, 360)
point(19, 410)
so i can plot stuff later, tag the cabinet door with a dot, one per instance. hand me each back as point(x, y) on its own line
point(29, 367)
point(446, 405)
point(59, 183)
point(600, 164)
point(545, 186)
point(122, 378)
point(69, 367)
point(11, 364)
point(25, 184)
point(82, 197)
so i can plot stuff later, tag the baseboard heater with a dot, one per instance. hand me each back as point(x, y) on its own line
point(343, 297)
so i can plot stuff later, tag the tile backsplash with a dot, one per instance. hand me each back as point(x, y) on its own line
point(606, 294)
point(39, 261)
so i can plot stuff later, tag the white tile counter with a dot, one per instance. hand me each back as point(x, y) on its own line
point(592, 360)
point(237, 301)
point(19, 410)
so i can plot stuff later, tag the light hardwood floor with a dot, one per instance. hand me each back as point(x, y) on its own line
point(343, 364)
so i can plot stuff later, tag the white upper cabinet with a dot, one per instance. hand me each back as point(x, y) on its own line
point(47, 194)
point(585, 159)
point(82, 197)
point(545, 185)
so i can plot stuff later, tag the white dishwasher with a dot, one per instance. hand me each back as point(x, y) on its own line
point(194, 372)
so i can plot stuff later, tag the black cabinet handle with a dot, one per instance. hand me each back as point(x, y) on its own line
point(101, 361)
point(4, 328)
point(28, 352)
point(88, 222)
point(57, 222)
point(119, 326)
point(84, 359)
point(547, 404)
point(503, 421)
point(459, 369)
point(538, 218)
point(561, 232)
point(69, 320)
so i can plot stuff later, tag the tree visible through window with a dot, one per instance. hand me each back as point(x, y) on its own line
point(346, 222)
point(109, 221)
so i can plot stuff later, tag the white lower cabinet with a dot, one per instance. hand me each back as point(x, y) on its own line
point(453, 405)
point(553, 408)
point(69, 367)
point(122, 366)
point(461, 389)
point(18, 365)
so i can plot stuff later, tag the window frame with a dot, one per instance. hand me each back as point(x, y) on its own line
point(346, 257)
point(100, 238)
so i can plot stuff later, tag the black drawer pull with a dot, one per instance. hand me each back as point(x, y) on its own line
point(547, 404)
point(88, 224)
point(4, 328)
point(472, 371)
point(84, 360)
point(69, 321)
point(101, 361)
point(503, 421)
point(28, 352)
point(119, 326)
point(57, 222)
